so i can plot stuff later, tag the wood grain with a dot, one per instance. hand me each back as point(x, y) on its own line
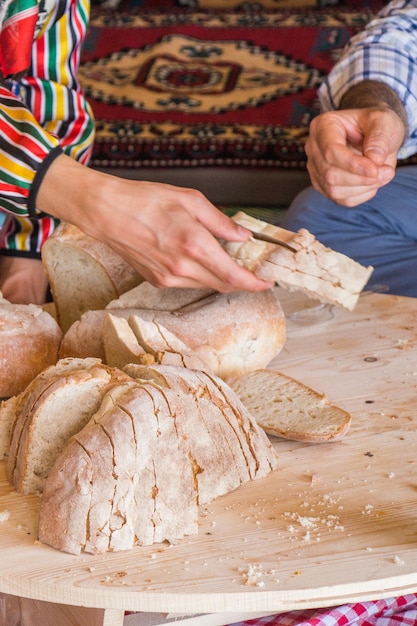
point(335, 523)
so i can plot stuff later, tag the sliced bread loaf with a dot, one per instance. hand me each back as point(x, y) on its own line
point(158, 447)
point(286, 408)
point(163, 345)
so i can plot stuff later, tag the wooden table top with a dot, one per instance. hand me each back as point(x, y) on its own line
point(337, 522)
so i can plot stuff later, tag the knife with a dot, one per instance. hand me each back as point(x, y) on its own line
point(268, 239)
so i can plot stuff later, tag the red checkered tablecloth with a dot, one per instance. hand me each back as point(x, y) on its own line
point(399, 611)
point(388, 612)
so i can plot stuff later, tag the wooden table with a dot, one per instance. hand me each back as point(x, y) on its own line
point(336, 523)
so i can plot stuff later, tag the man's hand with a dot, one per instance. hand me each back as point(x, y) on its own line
point(352, 153)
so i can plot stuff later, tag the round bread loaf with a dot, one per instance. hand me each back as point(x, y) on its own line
point(29, 342)
point(233, 333)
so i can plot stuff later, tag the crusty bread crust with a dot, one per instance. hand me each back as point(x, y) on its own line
point(29, 342)
point(146, 296)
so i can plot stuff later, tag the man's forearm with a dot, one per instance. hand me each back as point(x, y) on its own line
point(373, 94)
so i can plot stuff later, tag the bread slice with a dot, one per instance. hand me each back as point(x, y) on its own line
point(163, 345)
point(120, 343)
point(286, 408)
point(317, 271)
point(54, 408)
point(16, 410)
point(8, 414)
point(84, 274)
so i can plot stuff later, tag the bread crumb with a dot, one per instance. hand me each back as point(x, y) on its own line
point(367, 510)
point(253, 575)
point(4, 515)
point(314, 524)
point(315, 478)
point(403, 344)
point(398, 561)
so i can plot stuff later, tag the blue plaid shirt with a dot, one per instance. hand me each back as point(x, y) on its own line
point(386, 51)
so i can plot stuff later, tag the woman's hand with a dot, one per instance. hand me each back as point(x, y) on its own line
point(168, 234)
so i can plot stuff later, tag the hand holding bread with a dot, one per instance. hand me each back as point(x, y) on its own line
point(315, 270)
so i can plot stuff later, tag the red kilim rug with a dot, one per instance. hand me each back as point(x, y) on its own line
point(177, 87)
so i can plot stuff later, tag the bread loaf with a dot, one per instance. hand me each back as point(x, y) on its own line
point(287, 408)
point(231, 333)
point(317, 271)
point(29, 342)
point(83, 273)
point(158, 447)
point(55, 406)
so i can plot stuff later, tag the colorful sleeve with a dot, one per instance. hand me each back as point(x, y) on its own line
point(385, 51)
point(49, 116)
point(52, 91)
point(24, 147)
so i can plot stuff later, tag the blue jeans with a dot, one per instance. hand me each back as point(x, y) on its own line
point(381, 232)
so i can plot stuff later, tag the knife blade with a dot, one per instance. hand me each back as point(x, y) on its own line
point(269, 239)
point(197, 304)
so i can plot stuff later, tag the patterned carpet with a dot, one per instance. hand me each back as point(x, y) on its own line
point(201, 87)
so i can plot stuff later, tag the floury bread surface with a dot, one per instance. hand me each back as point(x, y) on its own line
point(29, 341)
point(317, 271)
point(158, 447)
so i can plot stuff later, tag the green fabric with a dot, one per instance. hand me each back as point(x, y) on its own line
point(272, 215)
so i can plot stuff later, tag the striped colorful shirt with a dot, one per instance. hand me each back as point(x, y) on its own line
point(385, 51)
point(41, 115)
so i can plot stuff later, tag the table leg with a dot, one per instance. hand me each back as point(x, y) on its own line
point(28, 612)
